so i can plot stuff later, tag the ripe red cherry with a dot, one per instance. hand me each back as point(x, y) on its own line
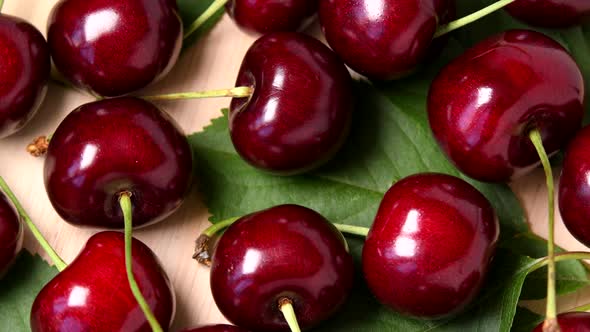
point(287, 251)
point(24, 72)
point(217, 328)
point(551, 13)
point(430, 247)
point(11, 234)
point(93, 294)
point(482, 105)
point(574, 187)
point(571, 322)
point(300, 111)
point(383, 39)
point(114, 47)
point(118, 145)
point(263, 16)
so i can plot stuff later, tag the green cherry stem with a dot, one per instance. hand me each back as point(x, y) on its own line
point(454, 25)
point(125, 202)
point(286, 307)
point(581, 308)
point(207, 14)
point(203, 244)
point(59, 263)
point(551, 314)
point(239, 92)
point(1, 4)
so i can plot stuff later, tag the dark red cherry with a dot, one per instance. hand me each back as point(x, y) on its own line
point(24, 72)
point(551, 13)
point(11, 234)
point(118, 145)
point(301, 108)
point(571, 322)
point(383, 39)
point(287, 251)
point(483, 104)
point(217, 328)
point(114, 47)
point(263, 16)
point(430, 247)
point(93, 294)
point(574, 187)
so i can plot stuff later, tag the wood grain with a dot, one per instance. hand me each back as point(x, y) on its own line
point(212, 63)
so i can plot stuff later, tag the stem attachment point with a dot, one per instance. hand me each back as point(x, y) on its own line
point(126, 207)
point(286, 307)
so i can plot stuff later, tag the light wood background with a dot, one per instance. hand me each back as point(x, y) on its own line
point(212, 63)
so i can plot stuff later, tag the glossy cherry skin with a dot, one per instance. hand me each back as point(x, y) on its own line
point(93, 294)
point(430, 247)
point(571, 322)
point(217, 328)
point(551, 13)
point(300, 111)
point(574, 187)
point(383, 39)
point(114, 47)
point(263, 16)
point(285, 251)
point(483, 104)
point(107, 147)
point(11, 234)
point(24, 72)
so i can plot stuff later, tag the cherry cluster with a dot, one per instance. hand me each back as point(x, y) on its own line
point(497, 111)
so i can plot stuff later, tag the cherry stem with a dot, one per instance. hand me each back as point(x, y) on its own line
point(206, 15)
point(352, 230)
point(286, 307)
point(57, 261)
point(1, 4)
point(239, 92)
point(454, 25)
point(551, 313)
point(581, 308)
point(125, 203)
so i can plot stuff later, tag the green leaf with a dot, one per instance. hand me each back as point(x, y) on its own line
point(190, 10)
point(525, 320)
point(19, 289)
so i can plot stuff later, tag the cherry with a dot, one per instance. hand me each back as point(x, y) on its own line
point(24, 72)
point(217, 328)
point(300, 111)
point(383, 39)
point(551, 13)
point(93, 293)
point(114, 47)
point(263, 16)
point(409, 261)
point(108, 147)
point(11, 234)
point(571, 322)
point(483, 104)
point(574, 187)
point(287, 252)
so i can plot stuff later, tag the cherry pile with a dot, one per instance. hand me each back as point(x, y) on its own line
point(497, 111)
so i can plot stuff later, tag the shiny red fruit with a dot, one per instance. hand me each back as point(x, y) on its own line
point(430, 247)
point(383, 39)
point(287, 251)
point(483, 104)
point(114, 47)
point(551, 13)
point(571, 322)
point(111, 146)
point(217, 328)
point(263, 16)
point(24, 72)
point(11, 234)
point(300, 112)
point(574, 187)
point(92, 294)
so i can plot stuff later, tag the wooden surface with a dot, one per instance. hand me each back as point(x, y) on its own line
point(212, 63)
